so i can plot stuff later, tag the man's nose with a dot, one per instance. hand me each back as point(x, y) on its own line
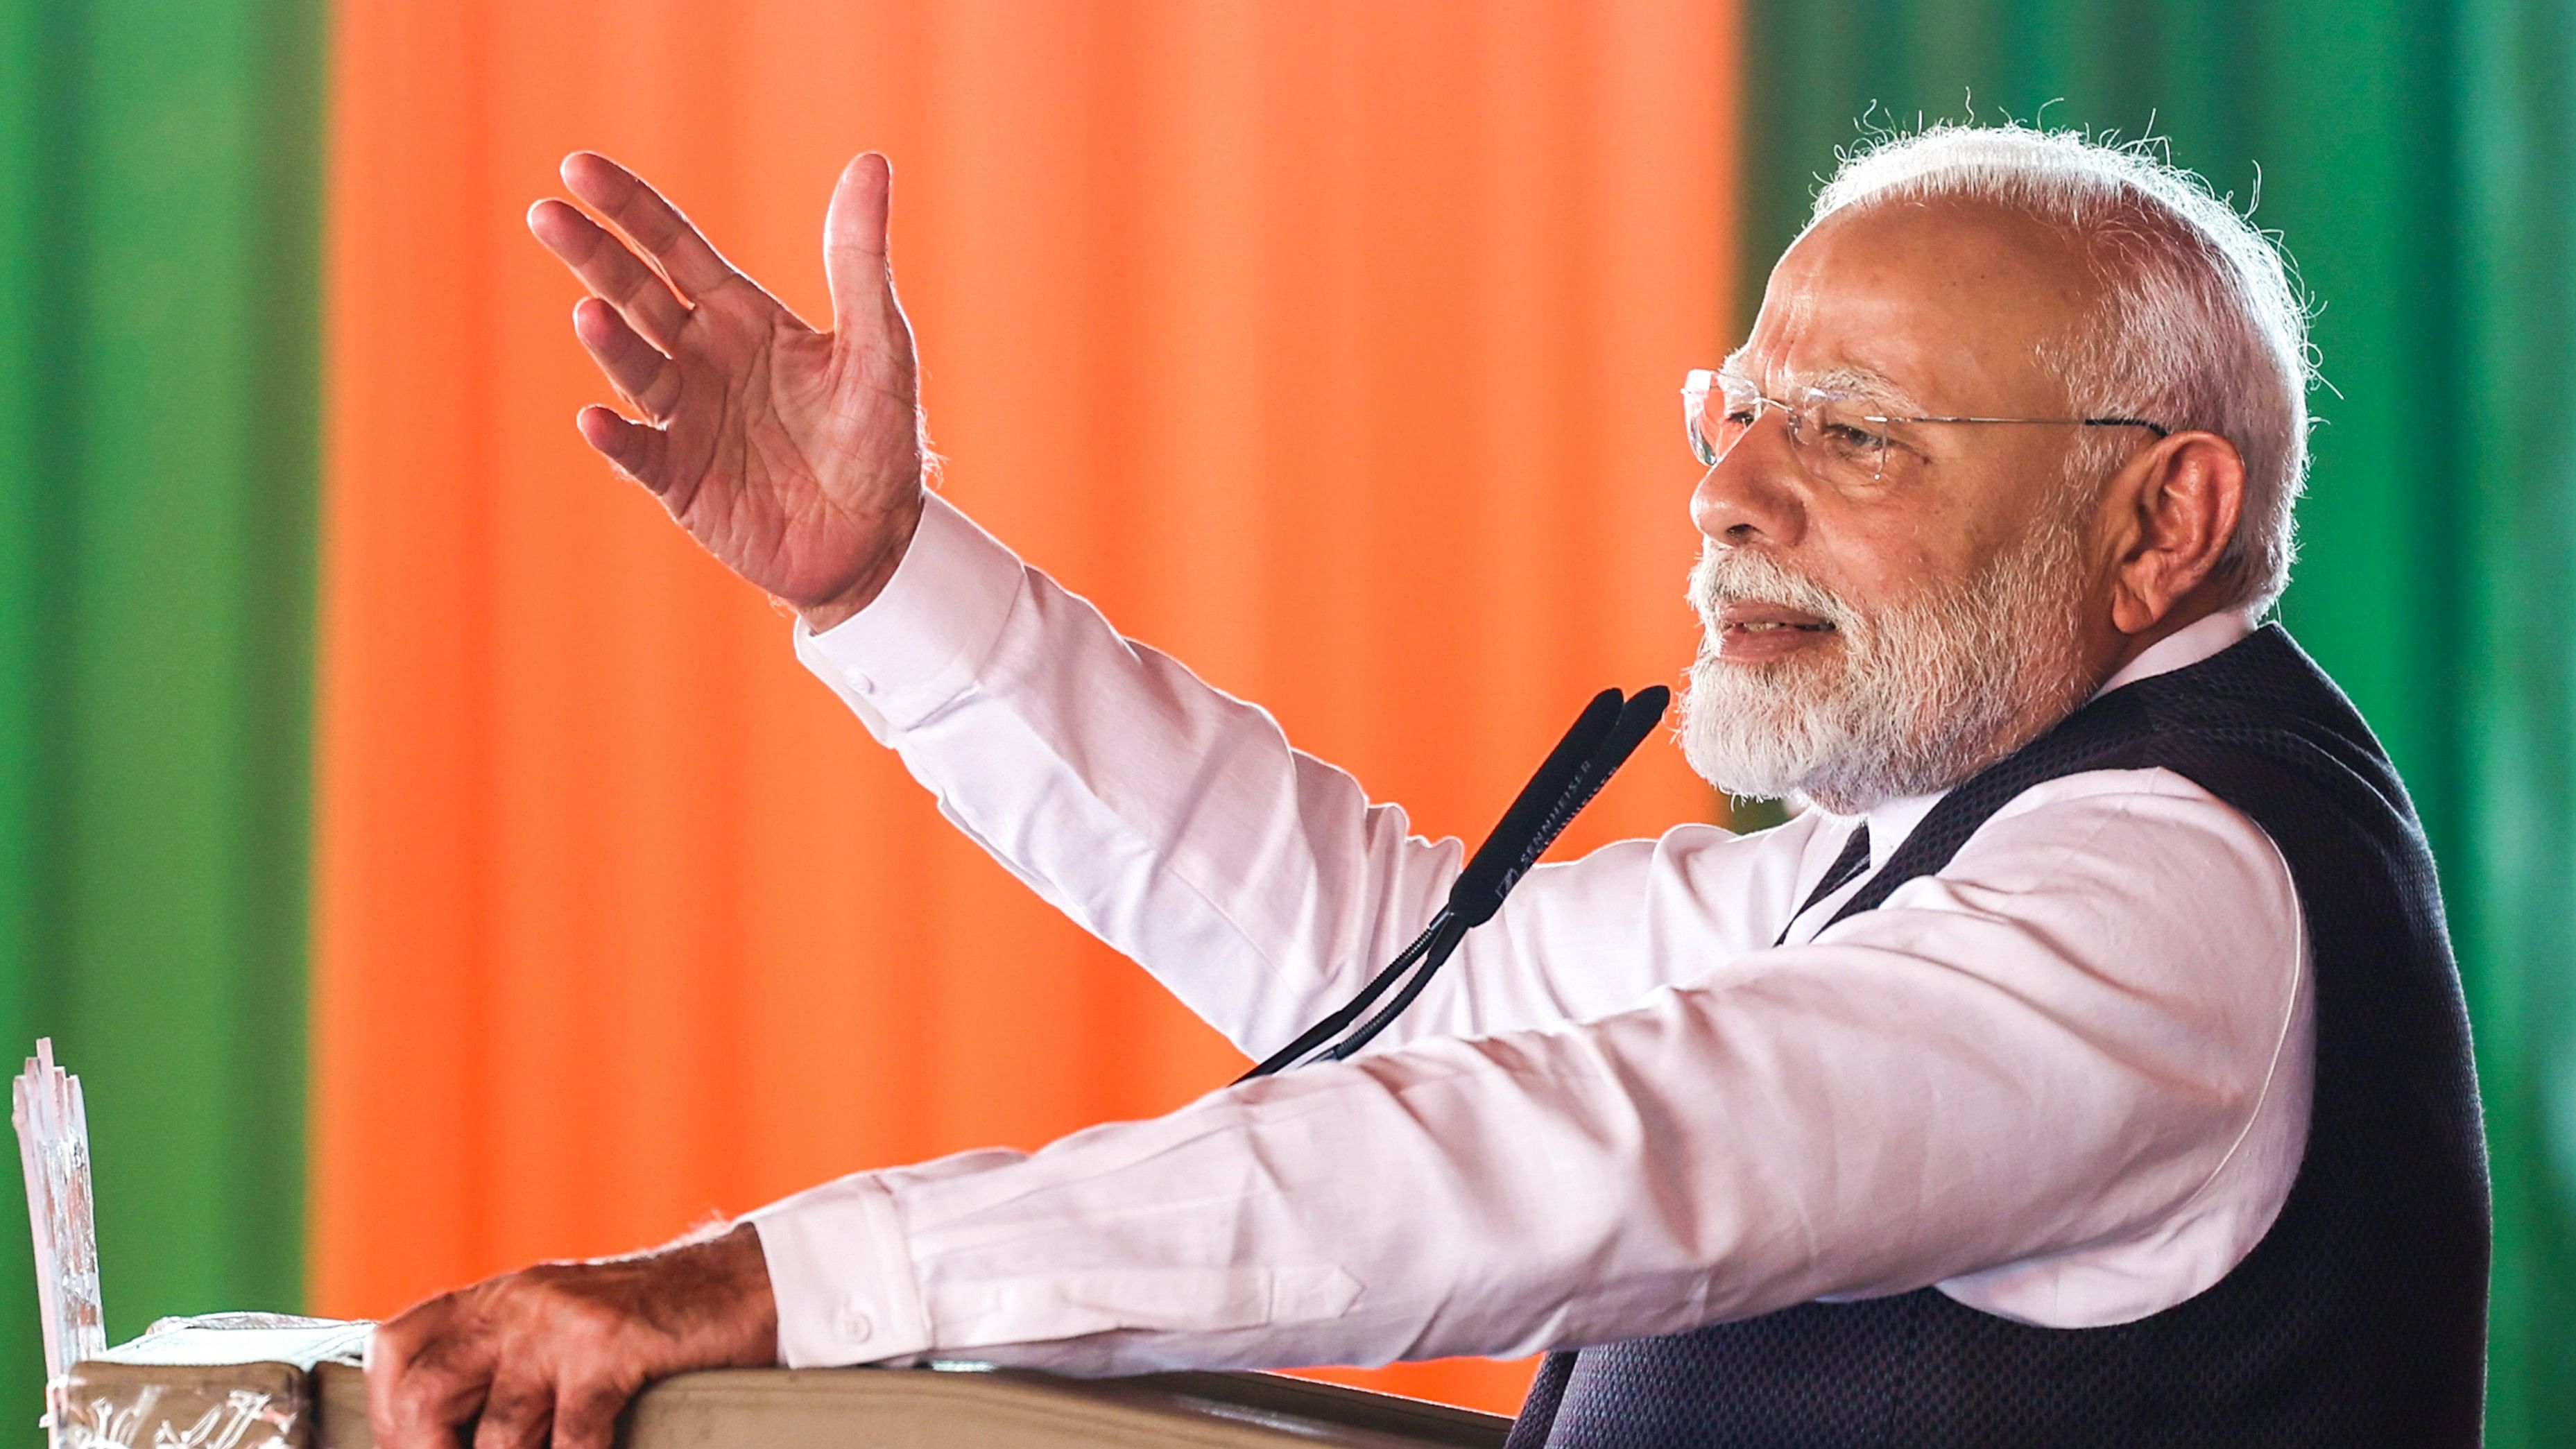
point(1755, 492)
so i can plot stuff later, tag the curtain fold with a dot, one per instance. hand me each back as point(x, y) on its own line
point(159, 242)
point(2512, 494)
point(2419, 161)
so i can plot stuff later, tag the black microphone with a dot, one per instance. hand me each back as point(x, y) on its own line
point(1500, 862)
point(1602, 738)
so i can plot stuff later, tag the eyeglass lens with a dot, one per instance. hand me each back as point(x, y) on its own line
point(1832, 435)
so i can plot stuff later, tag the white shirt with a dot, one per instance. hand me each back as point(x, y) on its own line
point(2065, 1079)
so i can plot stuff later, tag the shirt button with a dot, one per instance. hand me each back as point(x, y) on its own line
point(854, 1323)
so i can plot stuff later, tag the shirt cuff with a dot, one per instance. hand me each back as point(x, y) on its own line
point(842, 1275)
point(917, 645)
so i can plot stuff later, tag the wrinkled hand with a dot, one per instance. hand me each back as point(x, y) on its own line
point(793, 455)
point(557, 1350)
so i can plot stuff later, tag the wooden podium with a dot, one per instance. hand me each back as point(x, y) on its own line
point(284, 1406)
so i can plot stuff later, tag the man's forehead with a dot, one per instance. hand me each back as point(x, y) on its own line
point(1955, 302)
point(1745, 365)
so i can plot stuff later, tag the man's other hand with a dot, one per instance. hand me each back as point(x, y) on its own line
point(794, 455)
point(557, 1350)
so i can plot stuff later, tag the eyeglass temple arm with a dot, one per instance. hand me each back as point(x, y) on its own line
point(2159, 429)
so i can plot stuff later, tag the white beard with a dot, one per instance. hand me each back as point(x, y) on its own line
point(1916, 697)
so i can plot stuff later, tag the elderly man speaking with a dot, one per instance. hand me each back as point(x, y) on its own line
point(2087, 1066)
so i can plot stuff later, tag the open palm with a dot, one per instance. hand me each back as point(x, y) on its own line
point(793, 455)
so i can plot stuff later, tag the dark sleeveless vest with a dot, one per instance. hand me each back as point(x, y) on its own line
point(2360, 1318)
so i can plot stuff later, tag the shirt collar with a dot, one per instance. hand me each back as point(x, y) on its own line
point(1890, 821)
point(2182, 648)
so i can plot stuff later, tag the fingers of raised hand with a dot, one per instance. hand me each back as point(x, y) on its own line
point(636, 449)
point(648, 379)
point(854, 248)
point(610, 271)
point(639, 211)
point(855, 223)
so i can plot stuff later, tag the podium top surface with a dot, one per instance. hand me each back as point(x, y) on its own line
point(893, 1408)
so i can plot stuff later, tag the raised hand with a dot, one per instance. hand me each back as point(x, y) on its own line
point(793, 455)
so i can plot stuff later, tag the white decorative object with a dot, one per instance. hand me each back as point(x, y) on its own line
point(53, 1147)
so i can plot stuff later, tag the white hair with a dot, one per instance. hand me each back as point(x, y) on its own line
point(2203, 327)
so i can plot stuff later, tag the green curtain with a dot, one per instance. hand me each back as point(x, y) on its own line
point(2417, 161)
point(2514, 502)
point(159, 250)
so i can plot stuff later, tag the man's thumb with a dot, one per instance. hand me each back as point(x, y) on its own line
point(854, 242)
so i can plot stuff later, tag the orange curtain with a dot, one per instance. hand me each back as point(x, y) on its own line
point(1330, 346)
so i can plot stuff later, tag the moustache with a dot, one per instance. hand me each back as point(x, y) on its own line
point(1725, 576)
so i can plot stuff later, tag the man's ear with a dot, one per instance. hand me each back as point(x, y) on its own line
point(2174, 509)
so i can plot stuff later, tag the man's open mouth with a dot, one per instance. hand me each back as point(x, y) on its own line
point(1749, 617)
